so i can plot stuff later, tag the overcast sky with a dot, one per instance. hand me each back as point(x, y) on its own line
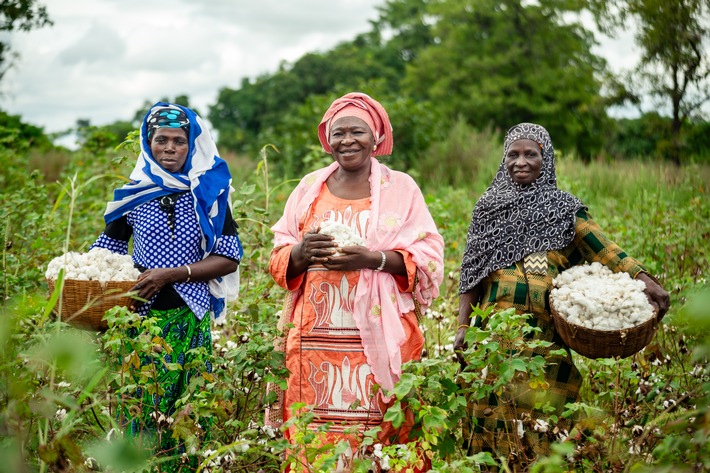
point(102, 59)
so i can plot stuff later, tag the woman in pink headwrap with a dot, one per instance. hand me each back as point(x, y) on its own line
point(354, 308)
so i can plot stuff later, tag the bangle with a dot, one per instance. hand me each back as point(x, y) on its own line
point(462, 326)
point(382, 264)
point(189, 273)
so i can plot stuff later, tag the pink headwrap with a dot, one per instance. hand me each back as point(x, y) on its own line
point(364, 107)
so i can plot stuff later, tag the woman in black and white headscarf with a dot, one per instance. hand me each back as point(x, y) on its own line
point(524, 231)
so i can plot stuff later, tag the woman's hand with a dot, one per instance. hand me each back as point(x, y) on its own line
point(151, 281)
point(466, 302)
point(657, 296)
point(316, 247)
point(313, 248)
point(356, 257)
point(353, 258)
point(460, 345)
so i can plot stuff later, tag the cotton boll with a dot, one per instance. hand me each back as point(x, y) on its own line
point(343, 234)
point(599, 298)
point(98, 264)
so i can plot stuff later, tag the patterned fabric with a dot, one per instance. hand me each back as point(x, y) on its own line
point(156, 245)
point(366, 108)
point(167, 117)
point(511, 221)
point(536, 263)
point(205, 175)
point(182, 331)
point(509, 287)
point(399, 220)
point(324, 351)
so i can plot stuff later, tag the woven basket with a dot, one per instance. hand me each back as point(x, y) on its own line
point(84, 303)
point(604, 343)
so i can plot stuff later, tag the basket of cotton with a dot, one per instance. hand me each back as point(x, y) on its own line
point(343, 234)
point(601, 314)
point(94, 282)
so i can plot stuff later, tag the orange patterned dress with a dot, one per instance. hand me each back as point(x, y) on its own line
point(324, 353)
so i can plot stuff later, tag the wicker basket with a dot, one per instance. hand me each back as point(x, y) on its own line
point(604, 343)
point(84, 303)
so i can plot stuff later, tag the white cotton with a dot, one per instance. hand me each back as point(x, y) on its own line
point(99, 264)
point(594, 297)
point(343, 234)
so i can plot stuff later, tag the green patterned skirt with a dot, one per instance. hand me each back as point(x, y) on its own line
point(183, 332)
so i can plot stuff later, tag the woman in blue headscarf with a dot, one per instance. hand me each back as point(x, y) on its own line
point(177, 209)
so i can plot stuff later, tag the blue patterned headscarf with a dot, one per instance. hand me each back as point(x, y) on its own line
point(511, 221)
point(204, 174)
point(167, 117)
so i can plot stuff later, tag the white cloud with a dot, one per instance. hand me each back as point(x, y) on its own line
point(100, 44)
point(102, 59)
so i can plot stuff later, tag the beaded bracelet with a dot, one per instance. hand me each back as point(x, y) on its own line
point(189, 273)
point(382, 264)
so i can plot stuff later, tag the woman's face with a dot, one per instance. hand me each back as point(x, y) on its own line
point(524, 161)
point(351, 142)
point(169, 147)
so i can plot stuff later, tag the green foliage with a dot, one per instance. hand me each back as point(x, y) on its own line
point(501, 63)
point(476, 154)
point(490, 64)
point(59, 387)
point(14, 132)
point(241, 115)
point(674, 68)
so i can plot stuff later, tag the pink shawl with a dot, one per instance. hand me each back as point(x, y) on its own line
point(399, 220)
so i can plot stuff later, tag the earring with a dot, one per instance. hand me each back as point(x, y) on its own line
point(374, 148)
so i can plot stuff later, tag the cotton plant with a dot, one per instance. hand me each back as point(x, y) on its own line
point(593, 296)
point(98, 264)
point(343, 234)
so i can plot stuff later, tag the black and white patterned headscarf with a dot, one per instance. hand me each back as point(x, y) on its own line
point(511, 221)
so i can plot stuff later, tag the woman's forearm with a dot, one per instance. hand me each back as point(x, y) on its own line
point(466, 302)
point(297, 263)
point(211, 267)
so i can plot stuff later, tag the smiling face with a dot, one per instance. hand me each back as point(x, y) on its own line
point(169, 147)
point(524, 161)
point(352, 143)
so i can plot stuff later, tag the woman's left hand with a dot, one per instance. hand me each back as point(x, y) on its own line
point(657, 296)
point(151, 281)
point(352, 258)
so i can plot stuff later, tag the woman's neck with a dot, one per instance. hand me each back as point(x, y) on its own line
point(349, 184)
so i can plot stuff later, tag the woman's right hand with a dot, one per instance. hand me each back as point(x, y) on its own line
point(313, 248)
point(466, 302)
point(316, 247)
point(460, 345)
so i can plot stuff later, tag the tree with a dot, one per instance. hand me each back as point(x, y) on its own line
point(240, 115)
point(19, 15)
point(497, 63)
point(674, 68)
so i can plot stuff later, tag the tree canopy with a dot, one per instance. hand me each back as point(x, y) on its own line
point(674, 67)
point(498, 63)
point(19, 15)
point(492, 63)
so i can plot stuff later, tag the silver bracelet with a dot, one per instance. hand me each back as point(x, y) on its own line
point(382, 264)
